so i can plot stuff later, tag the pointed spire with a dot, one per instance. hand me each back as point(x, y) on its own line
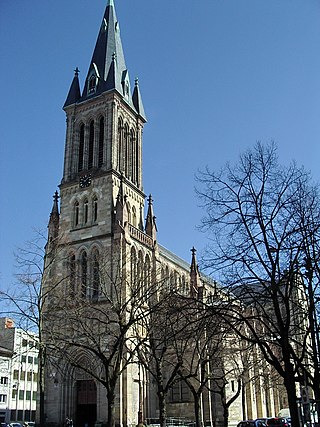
point(194, 275)
point(137, 100)
point(108, 58)
point(74, 91)
point(151, 227)
point(53, 226)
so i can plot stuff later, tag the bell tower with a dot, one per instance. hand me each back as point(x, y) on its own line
point(103, 138)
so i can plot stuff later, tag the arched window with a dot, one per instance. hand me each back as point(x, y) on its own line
point(147, 276)
point(72, 276)
point(94, 209)
point(92, 84)
point(120, 145)
point(133, 269)
point(91, 145)
point(131, 157)
point(84, 274)
point(126, 145)
point(76, 214)
point(85, 211)
point(101, 142)
point(81, 148)
point(139, 278)
point(167, 279)
point(95, 275)
point(137, 160)
point(134, 216)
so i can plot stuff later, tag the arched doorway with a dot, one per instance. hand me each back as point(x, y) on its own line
point(86, 413)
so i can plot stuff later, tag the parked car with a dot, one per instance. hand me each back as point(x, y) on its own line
point(29, 424)
point(15, 425)
point(277, 422)
point(251, 423)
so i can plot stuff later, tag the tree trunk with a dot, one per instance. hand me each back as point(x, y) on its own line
point(111, 409)
point(162, 409)
point(290, 386)
point(197, 410)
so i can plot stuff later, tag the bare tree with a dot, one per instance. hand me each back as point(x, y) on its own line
point(100, 337)
point(26, 300)
point(257, 217)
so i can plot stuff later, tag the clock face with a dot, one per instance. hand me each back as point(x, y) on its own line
point(85, 181)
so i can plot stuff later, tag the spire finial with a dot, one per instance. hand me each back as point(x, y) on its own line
point(76, 72)
point(150, 201)
point(136, 82)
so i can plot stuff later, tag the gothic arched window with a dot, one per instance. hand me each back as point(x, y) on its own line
point(94, 209)
point(72, 276)
point(139, 278)
point(76, 214)
point(84, 274)
point(81, 148)
point(95, 275)
point(131, 158)
point(101, 142)
point(133, 269)
point(147, 275)
point(85, 211)
point(92, 84)
point(120, 144)
point(137, 159)
point(91, 144)
point(127, 150)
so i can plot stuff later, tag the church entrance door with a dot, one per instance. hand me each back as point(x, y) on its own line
point(86, 403)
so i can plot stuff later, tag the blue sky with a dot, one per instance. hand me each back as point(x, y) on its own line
point(215, 76)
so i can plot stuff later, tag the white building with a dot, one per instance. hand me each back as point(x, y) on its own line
point(18, 373)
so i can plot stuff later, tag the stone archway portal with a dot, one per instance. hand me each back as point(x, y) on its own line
point(86, 403)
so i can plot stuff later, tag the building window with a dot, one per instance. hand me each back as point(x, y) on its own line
point(28, 395)
point(14, 393)
point(23, 358)
point(35, 360)
point(72, 279)
point(96, 276)
point(94, 209)
point(16, 374)
point(92, 84)
point(84, 272)
point(29, 376)
point(81, 148)
point(120, 145)
point(4, 380)
point(101, 142)
point(85, 211)
point(34, 395)
point(3, 398)
point(21, 394)
point(180, 392)
point(22, 375)
point(91, 145)
point(30, 359)
point(76, 213)
point(24, 343)
point(35, 377)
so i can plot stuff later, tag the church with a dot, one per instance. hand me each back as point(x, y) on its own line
point(104, 214)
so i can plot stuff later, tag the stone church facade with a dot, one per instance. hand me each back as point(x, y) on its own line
point(101, 212)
